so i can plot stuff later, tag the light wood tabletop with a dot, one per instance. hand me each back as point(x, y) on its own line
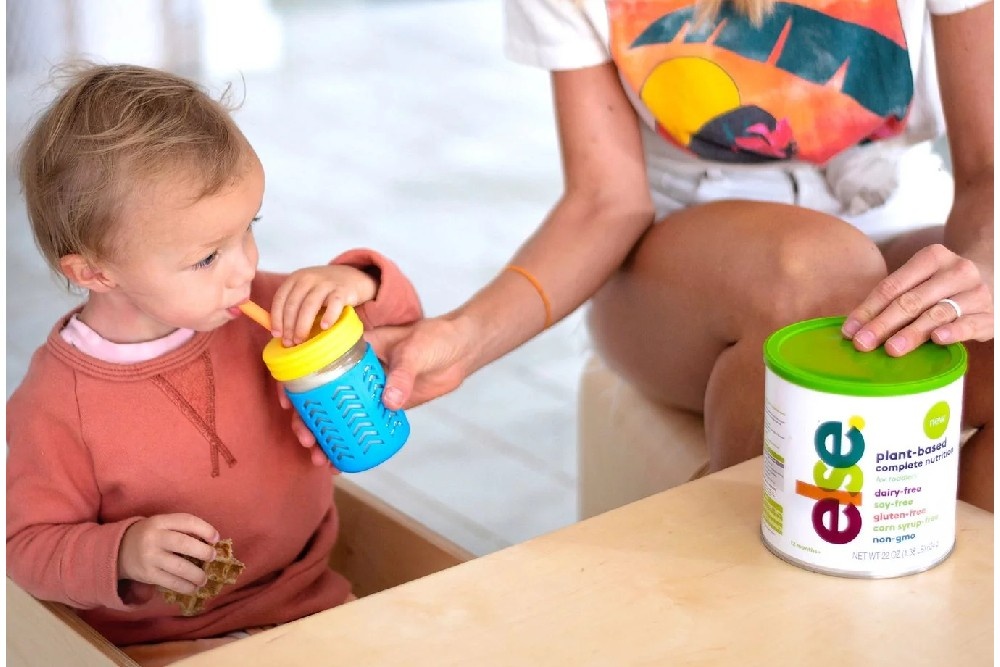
point(678, 578)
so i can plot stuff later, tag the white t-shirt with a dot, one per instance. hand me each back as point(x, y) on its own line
point(824, 99)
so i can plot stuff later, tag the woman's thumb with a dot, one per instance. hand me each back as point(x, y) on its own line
point(384, 340)
point(399, 379)
point(398, 387)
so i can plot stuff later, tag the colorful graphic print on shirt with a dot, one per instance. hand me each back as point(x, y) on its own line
point(813, 79)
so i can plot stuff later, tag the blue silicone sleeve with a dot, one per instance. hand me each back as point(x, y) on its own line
point(351, 425)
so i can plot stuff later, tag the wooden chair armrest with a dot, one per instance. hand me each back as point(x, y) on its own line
point(380, 547)
point(48, 633)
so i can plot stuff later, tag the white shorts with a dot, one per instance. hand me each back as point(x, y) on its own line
point(882, 190)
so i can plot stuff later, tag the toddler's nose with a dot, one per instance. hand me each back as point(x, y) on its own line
point(243, 272)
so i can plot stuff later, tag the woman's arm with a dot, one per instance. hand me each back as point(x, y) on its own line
point(604, 209)
point(905, 309)
point(964, 44)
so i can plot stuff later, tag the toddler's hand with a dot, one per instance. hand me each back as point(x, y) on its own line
point(150, 547)
point(306, 291)
point(304, 435)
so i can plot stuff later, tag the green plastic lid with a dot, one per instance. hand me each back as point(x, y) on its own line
point(814, 354)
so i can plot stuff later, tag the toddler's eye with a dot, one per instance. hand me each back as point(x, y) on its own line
point(253, 221)
point(208, 261)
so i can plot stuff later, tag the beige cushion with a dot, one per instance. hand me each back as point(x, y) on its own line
point(630, 447)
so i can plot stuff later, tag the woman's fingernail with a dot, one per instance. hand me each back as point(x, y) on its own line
point(866, 339)
point(943, 335)
point(392, 395)
point(896, 345)
point(850, 328)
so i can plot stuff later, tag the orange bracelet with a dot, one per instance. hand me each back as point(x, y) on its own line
point(538, 288)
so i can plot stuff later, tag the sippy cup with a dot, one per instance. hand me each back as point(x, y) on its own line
point(335, 383)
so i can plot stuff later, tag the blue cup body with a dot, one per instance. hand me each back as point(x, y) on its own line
point(352, 426)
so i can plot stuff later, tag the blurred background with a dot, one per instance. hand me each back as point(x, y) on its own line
point(397, 125)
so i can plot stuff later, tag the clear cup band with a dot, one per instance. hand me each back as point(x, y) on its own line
point(331, 371)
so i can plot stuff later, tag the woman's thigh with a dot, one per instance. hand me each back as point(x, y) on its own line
point(727, 273)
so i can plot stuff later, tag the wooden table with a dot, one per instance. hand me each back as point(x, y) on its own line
point(680, 578)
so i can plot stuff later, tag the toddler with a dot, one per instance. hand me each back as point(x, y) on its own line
point(147, 428)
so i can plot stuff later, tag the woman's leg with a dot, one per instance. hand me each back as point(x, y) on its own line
point(975, 465)
point(685, 319)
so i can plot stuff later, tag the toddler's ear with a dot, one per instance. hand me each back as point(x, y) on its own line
point(82, 272)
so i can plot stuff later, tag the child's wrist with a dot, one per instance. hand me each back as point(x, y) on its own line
point(375, 273)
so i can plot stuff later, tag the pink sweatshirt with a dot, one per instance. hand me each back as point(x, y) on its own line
point(95, 446)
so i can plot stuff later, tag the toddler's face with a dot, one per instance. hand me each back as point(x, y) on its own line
point(188, 264)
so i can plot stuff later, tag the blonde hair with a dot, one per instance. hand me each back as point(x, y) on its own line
point(707, 10)
point(755, 10)
point(115, 128)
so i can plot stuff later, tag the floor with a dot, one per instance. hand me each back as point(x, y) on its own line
point(400, 126)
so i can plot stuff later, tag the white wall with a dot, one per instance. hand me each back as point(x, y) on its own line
point(196, 37)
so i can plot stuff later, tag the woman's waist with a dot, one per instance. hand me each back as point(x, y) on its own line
point(857, 181)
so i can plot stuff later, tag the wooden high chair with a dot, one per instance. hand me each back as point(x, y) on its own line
point(379, 547)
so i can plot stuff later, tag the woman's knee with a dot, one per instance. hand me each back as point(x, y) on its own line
point(730, 267)
point(754, 261)
point(815, 265)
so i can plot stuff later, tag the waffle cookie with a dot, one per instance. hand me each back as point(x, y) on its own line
point(224, 569)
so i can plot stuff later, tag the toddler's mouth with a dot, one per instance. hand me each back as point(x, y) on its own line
point(236, 310)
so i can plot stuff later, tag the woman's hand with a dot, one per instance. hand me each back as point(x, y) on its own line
point(424, 360)
point(306, 291)
point(151, 551)
point(303, 434)
point(906, 308)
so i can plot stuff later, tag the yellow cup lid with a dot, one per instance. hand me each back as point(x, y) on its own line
point(323, 347)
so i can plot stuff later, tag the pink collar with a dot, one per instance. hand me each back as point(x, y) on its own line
point(88, 341)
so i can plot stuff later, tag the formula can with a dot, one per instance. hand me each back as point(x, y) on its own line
point(860, 452)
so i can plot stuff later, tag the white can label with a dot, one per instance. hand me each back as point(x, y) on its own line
point(860, 486)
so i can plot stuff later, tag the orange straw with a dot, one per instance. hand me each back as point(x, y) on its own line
point(257, 314)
